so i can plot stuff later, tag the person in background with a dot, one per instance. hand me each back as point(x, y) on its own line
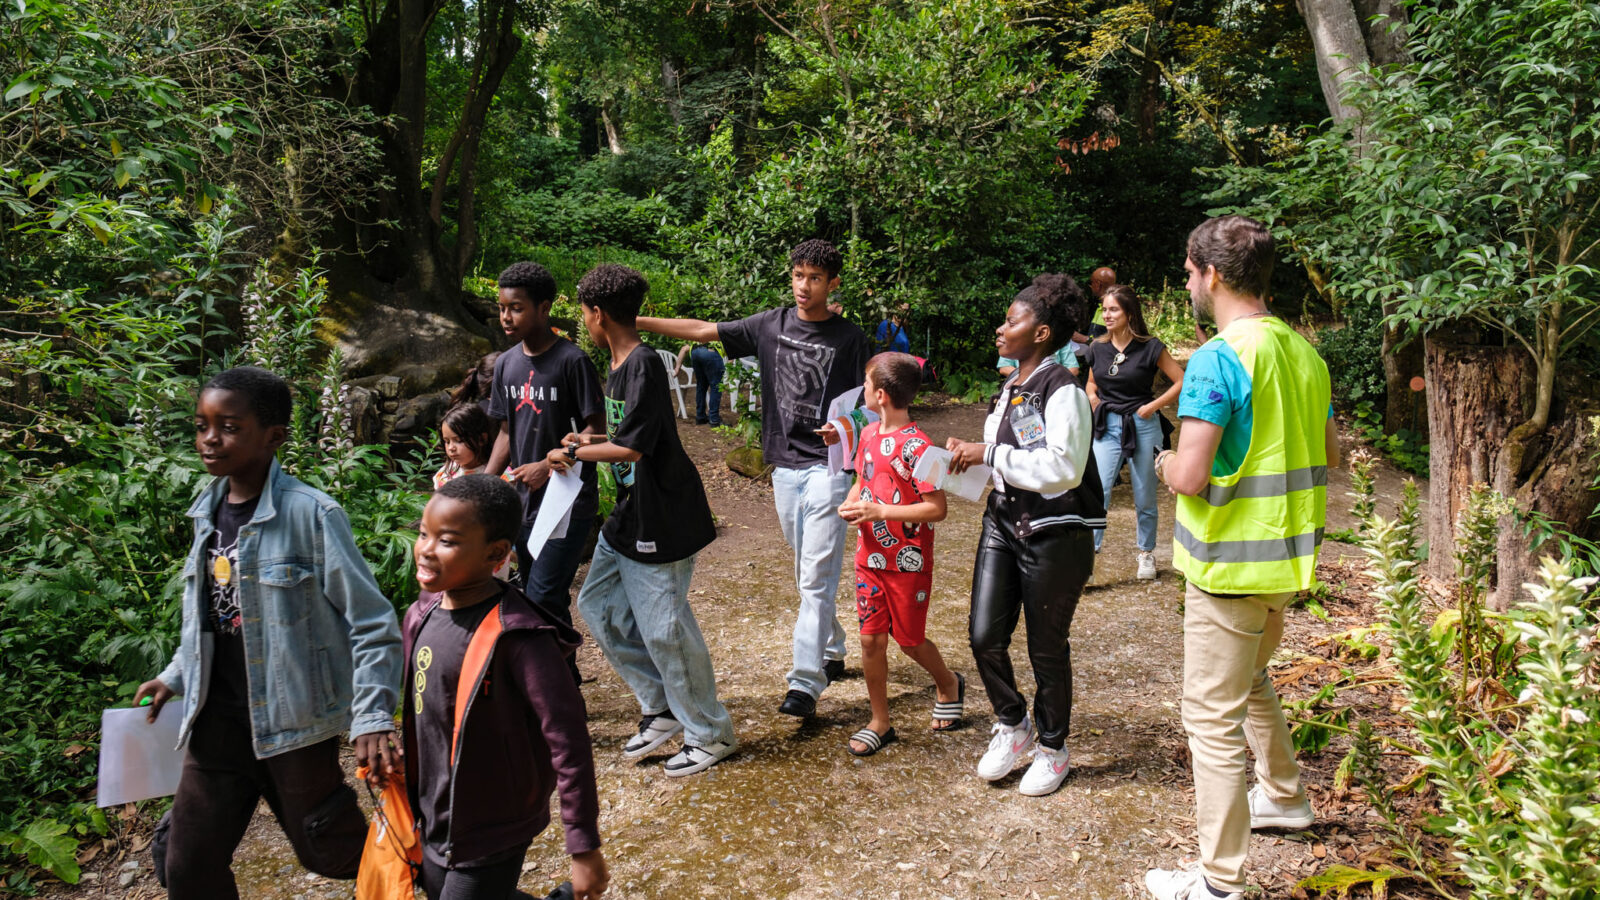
point(1128, 424)
point(708, 367)
point(891, 334)
point(1250, 472)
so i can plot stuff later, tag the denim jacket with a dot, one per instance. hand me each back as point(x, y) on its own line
point(322, 646)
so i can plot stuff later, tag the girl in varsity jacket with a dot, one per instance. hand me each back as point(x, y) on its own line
point(1036, 550)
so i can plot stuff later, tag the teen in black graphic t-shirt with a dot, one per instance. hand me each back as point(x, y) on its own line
point(636, 596)
point(661, 513)
point(808, 357)
point(544, 387)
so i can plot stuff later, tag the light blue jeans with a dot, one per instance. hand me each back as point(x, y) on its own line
point(639, 615)
point(1141, 471)
point(808, 512)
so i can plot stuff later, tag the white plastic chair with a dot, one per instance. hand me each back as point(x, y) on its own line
point(731, 388)
point(685, 380)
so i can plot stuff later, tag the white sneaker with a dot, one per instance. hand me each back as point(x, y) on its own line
point(1005, 748)
point(1268, 813)
point(1183, 884)
point(653, 732)
point(692, 759)
point(1147, 565)
point(1049, 769)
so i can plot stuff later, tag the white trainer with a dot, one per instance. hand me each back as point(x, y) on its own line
point(1266, 812)
point(653, 732)
point(1045, 775)
point(1147, 565)
point(1183, 884)
point(1005, 748)
point(692, 759)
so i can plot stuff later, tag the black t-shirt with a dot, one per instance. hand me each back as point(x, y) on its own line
point(230, 686)
point(661, 514)
point(1136, 374)
point(544, 398)
point(439, 650)
point(804, 366)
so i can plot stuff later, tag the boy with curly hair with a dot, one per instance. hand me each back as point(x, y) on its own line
point(808, 356)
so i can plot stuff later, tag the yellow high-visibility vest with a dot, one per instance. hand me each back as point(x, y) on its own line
point(1257, 530)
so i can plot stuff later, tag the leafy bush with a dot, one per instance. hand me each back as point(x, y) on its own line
point(96, 475)
point(1517, 784)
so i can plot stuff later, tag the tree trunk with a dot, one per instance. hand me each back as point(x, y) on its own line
point(395, 301)
point(1477, 395)
point(669, 90)
point(608, 117)
point(1383, 27)
point(1340, 47)
point(1402, 361)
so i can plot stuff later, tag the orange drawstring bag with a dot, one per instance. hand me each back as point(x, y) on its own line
point(391, 860)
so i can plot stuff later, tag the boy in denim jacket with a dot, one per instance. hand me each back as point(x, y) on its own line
point(286, 642)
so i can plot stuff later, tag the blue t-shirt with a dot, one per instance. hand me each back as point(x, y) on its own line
point(1216, 388)
point(1063, 357)
point(899, 343)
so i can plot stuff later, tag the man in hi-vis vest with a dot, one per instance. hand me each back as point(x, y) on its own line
point(1251, 473)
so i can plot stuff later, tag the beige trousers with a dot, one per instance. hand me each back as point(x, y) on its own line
point(1228, 702)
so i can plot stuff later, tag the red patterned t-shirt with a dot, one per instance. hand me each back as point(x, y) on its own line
point(884, 463)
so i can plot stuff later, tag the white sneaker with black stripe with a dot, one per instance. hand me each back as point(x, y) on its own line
point(692, 759)
point(654, 730)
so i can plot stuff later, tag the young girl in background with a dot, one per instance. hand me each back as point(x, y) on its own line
point(468, 435)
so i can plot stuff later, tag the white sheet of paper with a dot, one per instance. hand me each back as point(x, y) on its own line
point(139, 759)
point(934, 468)
point(555, 508)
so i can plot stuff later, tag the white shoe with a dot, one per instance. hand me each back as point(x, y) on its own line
point(653, 732)
point(1268, 813)
point(1147, 565)
point(1049, 769)
point(1005, 748)
point(692, 759)
point(1183, 884)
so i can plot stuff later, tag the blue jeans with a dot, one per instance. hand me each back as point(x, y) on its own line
point(548, 580)
point(639, 615)
point(1141, 471)
point(808, 512)
point(708, 368)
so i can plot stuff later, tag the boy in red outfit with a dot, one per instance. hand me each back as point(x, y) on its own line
point(894, 556)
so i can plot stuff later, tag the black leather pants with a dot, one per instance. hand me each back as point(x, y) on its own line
point(1041, 576)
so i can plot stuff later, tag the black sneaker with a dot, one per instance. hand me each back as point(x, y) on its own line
point(834, 669)
point(799, 704)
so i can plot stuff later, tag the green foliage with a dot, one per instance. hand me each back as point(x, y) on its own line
point(1354, 354)
point(1404, 448)
point(46, 844)
point(923, 142)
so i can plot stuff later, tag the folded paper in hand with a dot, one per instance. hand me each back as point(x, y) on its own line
point(848, 421)
point(555, 507)
point(934, 468)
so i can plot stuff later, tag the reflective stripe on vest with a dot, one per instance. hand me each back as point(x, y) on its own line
point(1257, 531)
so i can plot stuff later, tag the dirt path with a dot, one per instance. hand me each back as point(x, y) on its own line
point(792, 814)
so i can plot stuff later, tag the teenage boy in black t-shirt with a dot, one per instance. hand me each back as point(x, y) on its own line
point(636, 596)
point(544, 387)
point(809, 355)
